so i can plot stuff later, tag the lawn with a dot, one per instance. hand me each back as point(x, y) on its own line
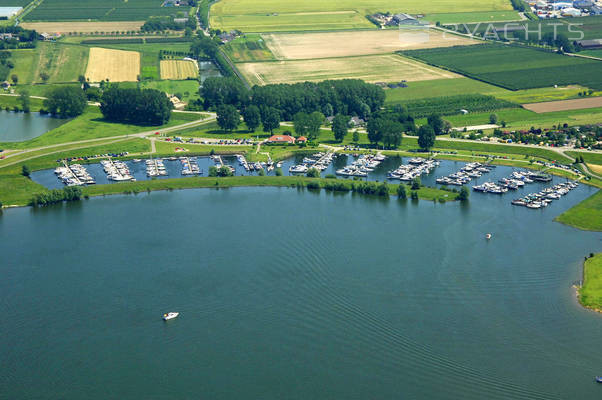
point(91, 125)
point(514, 67)
point(377, 68)
point(17, 190)
point(590, 294)
point(590, 158)
point(586, 215)
point(275, 15)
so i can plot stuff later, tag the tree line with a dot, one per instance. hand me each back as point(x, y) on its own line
point(137, 106)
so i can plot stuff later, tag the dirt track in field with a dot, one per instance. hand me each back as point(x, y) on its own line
point(564, 105)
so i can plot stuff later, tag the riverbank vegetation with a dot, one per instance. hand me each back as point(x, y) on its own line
point(590, 293)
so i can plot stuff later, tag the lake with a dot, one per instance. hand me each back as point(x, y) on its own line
point(17, 127)
point(294, 294)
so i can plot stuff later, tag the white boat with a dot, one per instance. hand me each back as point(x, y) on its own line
point(170, 315)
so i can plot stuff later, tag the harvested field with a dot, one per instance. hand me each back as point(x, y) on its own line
point(115, 65)
point(596, 169)
point(357, 43)
point(564, 105)
point(84, 27)
point(381, 68)
point(179, 69)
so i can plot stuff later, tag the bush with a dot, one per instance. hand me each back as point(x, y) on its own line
point(414, 195)
point(416, 183)
point(313, 185)
point(464, 194)
point(313, 173)
point(25, 171)
point(278, 172)
point(402, 192)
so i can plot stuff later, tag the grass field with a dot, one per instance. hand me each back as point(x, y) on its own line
point(26, 62)
point(590, 294)
point(83, 27)
point(179, 69)
point(62, 62)
point(518, 118)
point(563, 105)
point(114, 65)
point(379, 68)
point(514, 67)
point(250, 47)
point(303, 15)
point(107, 10)
point(589, 157)
point(447, 87)
point(586, 215)
point(469, 17)
point(356, 43)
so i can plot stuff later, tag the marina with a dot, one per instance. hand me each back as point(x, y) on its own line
point(415, 168)
point(466, 174)
point(74, 175)
point(116, 171)
point(190, 166)
point(362, 165)
point(319, 161)
point(155, 167)
point(545, 196)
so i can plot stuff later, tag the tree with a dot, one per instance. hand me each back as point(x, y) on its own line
point(328, 110)
point(25, 101)
point(314, 123)
point(402, 192)
point(228, 90)
point(447, 126)
point(313, 173)
point(340, 125)
point(252, 117)
point(301, 123)
point(493, 119)
point(228, 117)
point(135, 105)
point(356, 136)
point(14, 78)
point(416, 183)
point(25, 171)
point(436, 122)
point(464, 194)
point(44, 76)
point(271, 120)
point(66, 101)
point(426, 137)
point(375, 130)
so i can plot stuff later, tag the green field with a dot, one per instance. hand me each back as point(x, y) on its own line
point(108, 10)
point(451, 105)
point(514, 67)
point(453, 87)
point(250, 47)
point(586, 215)
point(590, 294)
point(468, 17)
point(91, 125)
point(303, 15)
point(519, 118)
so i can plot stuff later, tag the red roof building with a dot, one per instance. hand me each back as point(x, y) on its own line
point(281, 139)
point(301, 139)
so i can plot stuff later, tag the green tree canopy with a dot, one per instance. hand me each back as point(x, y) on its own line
point(252, 117)
point(340, 126)
point(426, 137)
point(228, 117)
point(66, 101)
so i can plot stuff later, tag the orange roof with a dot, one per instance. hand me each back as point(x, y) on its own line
point(301, 139)
point(281, 139)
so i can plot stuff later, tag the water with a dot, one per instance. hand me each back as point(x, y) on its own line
point(17, 127)
point(207, 69)
point(294, 294)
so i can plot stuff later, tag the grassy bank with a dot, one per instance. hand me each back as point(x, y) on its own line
point(590, 294)
point(424, 193)
point(586, 215)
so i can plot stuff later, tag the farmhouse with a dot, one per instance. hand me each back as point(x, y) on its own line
point(281, 139)
point(301, 139)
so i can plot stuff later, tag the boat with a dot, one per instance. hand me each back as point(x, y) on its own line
point(599, 379)
point(488, 236)
point(170, 315)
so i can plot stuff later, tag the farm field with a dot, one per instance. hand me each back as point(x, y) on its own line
point(446, 87)
point(63, 63)
point(85, 27)
point(115, 65)
point(563, 105)
point(451, 105)
point(149, 53)
point(179, 69)
point(514, 67)
point(107, 10)
point(297, 46)
point(250, 47)
point(379, 68)
point(465, 17)
point(275, 15)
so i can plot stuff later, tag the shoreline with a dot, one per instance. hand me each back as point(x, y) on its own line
point(596, 262)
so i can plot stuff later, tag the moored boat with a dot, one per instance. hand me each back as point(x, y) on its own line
point(170, 315)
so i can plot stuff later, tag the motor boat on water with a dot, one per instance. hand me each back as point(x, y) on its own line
point(170, 315)
point(599, 379)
